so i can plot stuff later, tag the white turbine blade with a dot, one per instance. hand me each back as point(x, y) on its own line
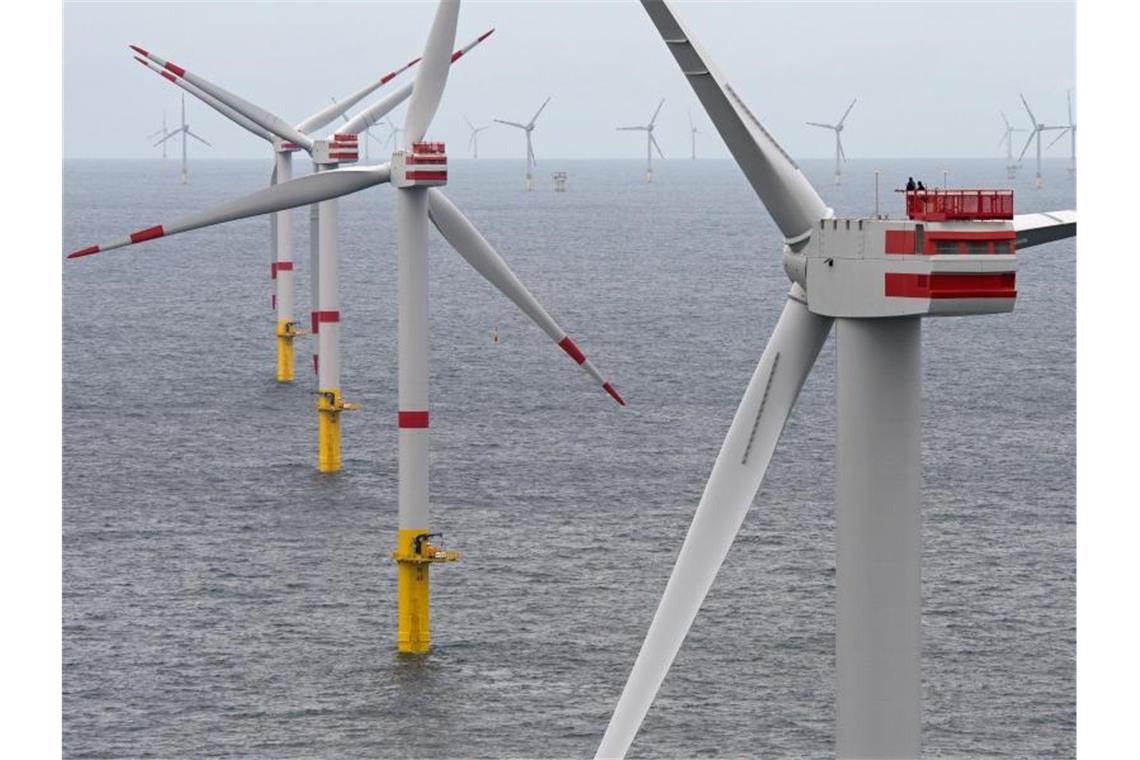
point(839, 144)
point(156, 132)
point(303, 191)
point(653, 140)
point(1069, 101)
point(651, 121)
point(791, 200)
point(327, 115)
point(1032, 118)
point(169, 134)
point(633, 129)
point(530, 153)
point(735, 479)
point(1044, 227)
point(372, 115)
point(817, 124)
point(199, 139)
point(1058, 137)
point(469, 124)
point(432, 76)
point(1003, 118)
point(256, 114)
point(511, 123)
point(534, 118)
point(844, 117)
point(458, 230)
point(211, 101)
point(1028, 142)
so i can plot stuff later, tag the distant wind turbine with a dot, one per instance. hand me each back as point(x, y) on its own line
point(1007, 138)
point(650, 142)
point(1072, 130)
point(693, 132)
point(531, 161)
point(184, 130)
point(1038, 128)
point(473, 142)
point(837, 128)
point(160, 133)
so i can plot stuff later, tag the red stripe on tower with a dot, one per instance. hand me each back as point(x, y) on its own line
point(570, 347)
point(328, 316)
point(413, 419)
point(150, 233)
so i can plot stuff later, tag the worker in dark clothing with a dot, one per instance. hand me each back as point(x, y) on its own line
point(910, 184)
point(921, 187)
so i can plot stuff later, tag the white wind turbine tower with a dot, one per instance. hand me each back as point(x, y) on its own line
point(650, 142)
point(1007, 137)
point(1036, 132)
point(838, 129)
point(473, 141)
point(876, 278)
point(531, 161)
point(1071, 129)
point(417, 169)
point(693, 132)
point(327, 154)
point(184, 130)
point(160, 133)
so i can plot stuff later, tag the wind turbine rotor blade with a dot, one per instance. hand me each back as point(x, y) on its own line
point(432, 75)
point(469, 124)
point(653, 140)
point(654, 119)
point(211, 101)
point(199, 139)
point(1058, 137)
point(534, 118)
point(156, 132)
point(510, 123)
point(1044, 227)
point(1032, 118)
point(1069, 101)
point(1028, 142)
point(372, 115)
point(462, 235)
point(735, 479)
point(817, 124)
point(328, 114)
point(256, 114)
point(1008, 126)
point(302, 191)
point(530, 154)
point(844, 117)
point(170, 134)
point(633, 129)
point(791, 200)
point(839, 144)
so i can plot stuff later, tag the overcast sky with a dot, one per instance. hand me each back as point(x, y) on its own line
point(930, 78)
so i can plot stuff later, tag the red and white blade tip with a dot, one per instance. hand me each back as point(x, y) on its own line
point(393, 74)
point(568, 345)
point(460, 53)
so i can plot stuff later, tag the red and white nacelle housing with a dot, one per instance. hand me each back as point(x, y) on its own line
point(424, 166)
point(954, 255)
point(338, 149)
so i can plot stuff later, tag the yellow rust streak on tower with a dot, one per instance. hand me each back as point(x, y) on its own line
point(414, 556)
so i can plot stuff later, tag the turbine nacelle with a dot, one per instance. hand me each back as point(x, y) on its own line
point(424, 166)
point(338, 149)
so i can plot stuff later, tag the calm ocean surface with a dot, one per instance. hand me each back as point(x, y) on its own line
point(221, 598)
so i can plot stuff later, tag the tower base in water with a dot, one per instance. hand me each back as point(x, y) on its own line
point(286, 332)
point(414, 556)
point(329, 407)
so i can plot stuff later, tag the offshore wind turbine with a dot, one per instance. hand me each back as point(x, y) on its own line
point(368, 136)
point(418, 168)
point(473, 141)
point(650, 142)
point(531, 161)
point(1072, 132)
point(838, 129)
point(1007, 137)
point(281, 270)
point(1036, 132)
point(326, 153)
point(160, 133)
point(876, 278)
point(393, 136)
point(184, 130)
